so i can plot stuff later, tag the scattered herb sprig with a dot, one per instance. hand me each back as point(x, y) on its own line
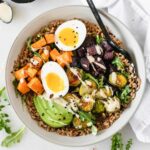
point(117, 143)
point(13, 137)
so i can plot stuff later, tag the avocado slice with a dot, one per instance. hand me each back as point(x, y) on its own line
point(52, 113)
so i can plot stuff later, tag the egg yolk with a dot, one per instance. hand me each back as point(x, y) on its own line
point(54, 82)
point(68, 37)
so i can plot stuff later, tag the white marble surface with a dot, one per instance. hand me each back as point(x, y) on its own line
point(24, 13)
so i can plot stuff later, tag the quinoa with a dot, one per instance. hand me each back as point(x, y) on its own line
point(103, 121)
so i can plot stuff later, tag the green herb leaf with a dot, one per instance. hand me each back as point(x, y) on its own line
point(15, 84)
point(89, 76)
point(101, 82)
point(124, 95)
point(129, 144)
point(28, 42)
point(98, 39)
point(14, 138)
point(118, 63)
point(86, 116)
point(37, 54)
point(3, 94)
point(117, 143)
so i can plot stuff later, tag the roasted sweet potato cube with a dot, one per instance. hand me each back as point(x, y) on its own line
point(36, 61)
point(50, 38)
point(23, 87)
point(36, 85)
point(38, 44)
point(45, 55)
point(54, 54)
point(21, 73)
point(31, 72)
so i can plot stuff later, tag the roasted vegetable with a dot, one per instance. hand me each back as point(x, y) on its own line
point(104, 92)
point(87, 87)
point(81, 52)
point(21, 73)
point(79, 124)
point(108, 55)
point(23, 87)
point(106, 46)
point(72, 97)
point(74, 76)
point(36, 85)
point(38, 44)
point(98, 107)
point(89, 76)
point(112, 104)
point(85, 63)
point(54, 54)
point(50, 38)
point(36, 61)
point(31, 72)
point(117, 79)
point(87, 103)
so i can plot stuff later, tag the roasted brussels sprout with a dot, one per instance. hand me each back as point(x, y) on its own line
point(78, 124)
point(87, 103)
point(112, 104)
point(104, 92)
point(69, 97)
point(74, 76)
point(117, 79)
point(87, 87)
point(98, 107)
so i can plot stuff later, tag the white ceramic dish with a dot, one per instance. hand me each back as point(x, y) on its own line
point(69, 12)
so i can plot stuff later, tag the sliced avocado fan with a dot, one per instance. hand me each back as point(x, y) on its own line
point(52, 113)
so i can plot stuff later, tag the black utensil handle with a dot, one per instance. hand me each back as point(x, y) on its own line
point(98, 19)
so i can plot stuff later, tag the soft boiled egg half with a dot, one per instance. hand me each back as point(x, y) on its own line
point(54, 80)
point(70, 35)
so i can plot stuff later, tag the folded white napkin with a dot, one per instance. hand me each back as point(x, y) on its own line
point(135, 14)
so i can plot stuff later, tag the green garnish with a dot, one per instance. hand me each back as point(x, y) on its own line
point(15, 84)
point(13, 138)
point(89, 76)
point(117, 142)
point(37, 54)
point(90, 118)
point(124, 95)
point(38, 36)
point(28, 42)
point(4, 121)
point(129, 144)
point(118, 63)
point(99, 39)
point(3, 94)
point(101, 82)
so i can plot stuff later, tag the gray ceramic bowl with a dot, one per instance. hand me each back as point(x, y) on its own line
point(69, 12)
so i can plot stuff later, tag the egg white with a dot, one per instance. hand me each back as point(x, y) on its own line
point(78, 26)
point(53, 67)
